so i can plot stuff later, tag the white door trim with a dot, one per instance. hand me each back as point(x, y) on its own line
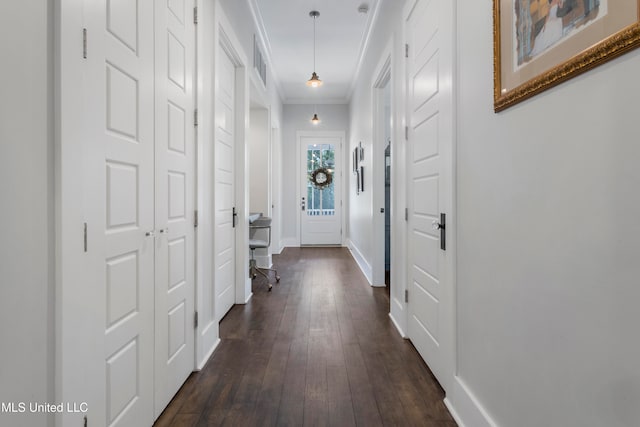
point(207, 333)
point(382, 78)
point(70, 285)
point(338, 134)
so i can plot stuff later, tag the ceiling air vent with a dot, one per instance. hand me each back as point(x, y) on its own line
point(258, 61)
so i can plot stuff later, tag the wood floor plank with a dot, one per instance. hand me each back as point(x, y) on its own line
point(291, 411)
point(319, 349)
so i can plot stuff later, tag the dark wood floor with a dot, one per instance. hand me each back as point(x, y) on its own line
point(319, 349)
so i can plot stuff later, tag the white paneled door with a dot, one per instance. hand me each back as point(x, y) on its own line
point(138, 157)
point(225, 219)
point(118, 156)
point(429, 26)
point(321, 185)
point(174, 202)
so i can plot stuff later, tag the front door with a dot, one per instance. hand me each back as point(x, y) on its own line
point(321, 202)
point(430, 73)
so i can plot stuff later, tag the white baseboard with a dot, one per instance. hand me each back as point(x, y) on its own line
point(360, 260)
point(397, 325)
point(250, 295)
point(290, 242)
point(207, 356)
point(465, 407)
point(398, 314)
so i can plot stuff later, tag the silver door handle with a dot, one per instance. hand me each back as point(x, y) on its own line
point(149, 233)
point(164, 230)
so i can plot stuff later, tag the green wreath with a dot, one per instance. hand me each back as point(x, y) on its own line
point(321, 178)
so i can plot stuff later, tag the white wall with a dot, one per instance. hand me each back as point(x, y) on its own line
point(259, 131)
point(297, 117)
point(549, 242)
point(26, 217)
point(239, 15)
point(385, 39)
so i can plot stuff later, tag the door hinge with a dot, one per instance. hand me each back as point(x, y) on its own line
point(406, 214)
point(195, 117)
point(84, 43)
point(195, 319)
point(195, 15)
point(406, 133)
point(406, 50)
point(195, 219)
point(85, 237)
point(406, 295)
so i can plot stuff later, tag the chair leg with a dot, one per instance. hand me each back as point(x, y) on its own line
point(254, 270)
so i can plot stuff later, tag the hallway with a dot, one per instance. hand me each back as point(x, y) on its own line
point(320, 349)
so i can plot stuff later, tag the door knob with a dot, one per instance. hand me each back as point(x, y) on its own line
point(164, 230)
point(149, 233)
point(435, 225)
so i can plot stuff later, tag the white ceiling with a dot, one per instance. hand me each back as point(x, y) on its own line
point(341, 32)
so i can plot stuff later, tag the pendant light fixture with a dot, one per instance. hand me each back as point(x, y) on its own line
point(314, 81)
point(315, 120)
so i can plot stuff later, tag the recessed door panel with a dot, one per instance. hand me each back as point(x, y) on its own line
point(122, 287)
point(122, 21)
point(122, 382)
point(122, 102)
point(177, 128)
point(122, 195)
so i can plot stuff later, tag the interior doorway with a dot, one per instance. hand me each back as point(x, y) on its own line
point(387, 215)
point(382, 190)
point(260, 169)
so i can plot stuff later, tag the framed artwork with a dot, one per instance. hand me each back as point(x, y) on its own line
point(541, 43)
point(355, 160)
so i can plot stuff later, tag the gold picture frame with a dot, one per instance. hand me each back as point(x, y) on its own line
point(572, 37)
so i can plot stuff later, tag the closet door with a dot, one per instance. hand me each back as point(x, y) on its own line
point(118, 158)
point(174, 198)
point(224, 176)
